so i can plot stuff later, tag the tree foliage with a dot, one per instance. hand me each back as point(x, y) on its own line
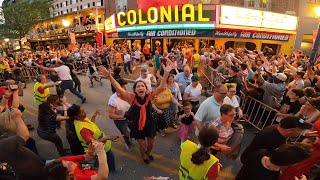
point(20, 16)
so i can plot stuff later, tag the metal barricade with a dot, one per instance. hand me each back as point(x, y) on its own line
point(256, 113)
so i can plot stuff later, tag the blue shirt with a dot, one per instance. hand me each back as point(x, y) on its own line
point(184, 80)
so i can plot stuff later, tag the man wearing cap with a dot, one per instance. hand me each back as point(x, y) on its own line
point(275, 135)
point(234, 78)
point(117, 107)
point(63, 72)
point(276, 89)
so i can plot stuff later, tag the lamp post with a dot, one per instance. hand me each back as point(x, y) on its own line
point(66, 24)
point(316, 41)
point(7, 43)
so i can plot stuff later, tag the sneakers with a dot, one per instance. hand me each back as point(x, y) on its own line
point(162, 133)
point(129, 148)
point(83, 100)
point(174, 126)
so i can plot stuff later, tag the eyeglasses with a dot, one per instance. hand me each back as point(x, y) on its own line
point(232, 91)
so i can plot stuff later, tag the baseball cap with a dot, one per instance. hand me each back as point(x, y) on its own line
point(294, 122)
point(195, 77)
point(281, 76)
point(122, 81)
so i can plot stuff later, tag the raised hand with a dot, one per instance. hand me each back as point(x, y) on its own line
point(104, 72)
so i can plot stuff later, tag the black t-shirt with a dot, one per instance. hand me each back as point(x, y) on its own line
point(71, 68)
point(293, 107)
point(186, 120)
point(254, 170)
point(269, 139)
point(24, 162)
point(235, 79)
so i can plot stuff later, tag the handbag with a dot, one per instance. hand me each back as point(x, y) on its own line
point(129, 115)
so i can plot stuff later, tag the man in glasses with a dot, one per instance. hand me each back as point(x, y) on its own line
point(210, 108)
point(184, 78)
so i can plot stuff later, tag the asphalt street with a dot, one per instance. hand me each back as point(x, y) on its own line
point(166, 151)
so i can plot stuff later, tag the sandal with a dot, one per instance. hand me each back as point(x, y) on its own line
point(146, 161)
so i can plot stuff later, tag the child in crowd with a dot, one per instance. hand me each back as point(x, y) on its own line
point(92, 73)
point(186, 118)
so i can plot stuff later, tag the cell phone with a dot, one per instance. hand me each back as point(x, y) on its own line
point(13, 87)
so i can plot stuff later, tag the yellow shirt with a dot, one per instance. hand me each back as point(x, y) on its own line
point(195, 60)
point(5, 66)
point(162, 100)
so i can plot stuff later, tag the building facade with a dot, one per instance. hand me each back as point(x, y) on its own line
point(62, 7)
point(308, 22)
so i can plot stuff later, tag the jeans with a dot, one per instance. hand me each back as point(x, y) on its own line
point(77, 83)
point(122, 125)
point(68, 84)
point(54, 138)
point(111, 160)
point(127, 66)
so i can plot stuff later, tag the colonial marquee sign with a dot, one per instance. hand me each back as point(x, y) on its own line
point(251, 35)
point(163, 15)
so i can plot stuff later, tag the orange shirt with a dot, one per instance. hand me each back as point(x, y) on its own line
point(119, 58)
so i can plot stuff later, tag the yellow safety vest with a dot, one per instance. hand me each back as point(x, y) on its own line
point(190, 171)
point(97, 133)
point(196, 60)
point(38, 97)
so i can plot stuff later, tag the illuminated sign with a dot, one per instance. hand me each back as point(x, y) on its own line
point(251, 35)
point(166, 26)
point(164, 14)
point(166, 33)
point(146, 4)
point(110, 24)
point(256, 18)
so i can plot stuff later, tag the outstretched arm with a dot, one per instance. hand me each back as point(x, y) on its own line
point(160, 88)
point(107, 74)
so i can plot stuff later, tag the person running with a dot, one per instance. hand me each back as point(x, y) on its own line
point(92, 73)
point(197, 162)
point(64, 74)
point(143, 125)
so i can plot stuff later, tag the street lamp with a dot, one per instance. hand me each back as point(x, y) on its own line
point(317, 40)
point(66, 23)
point(6, 40)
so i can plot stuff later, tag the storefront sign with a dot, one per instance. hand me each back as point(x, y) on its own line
point(164, 14)
point(110, 24)
point(146, 4)
point(166, 33)
point(256, 18)
point(251, 35)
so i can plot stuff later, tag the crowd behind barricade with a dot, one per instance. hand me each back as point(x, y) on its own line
point(276, 93)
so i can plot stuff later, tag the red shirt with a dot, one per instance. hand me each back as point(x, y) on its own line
point(213, 172)
point(2, 90)
point(78, 173)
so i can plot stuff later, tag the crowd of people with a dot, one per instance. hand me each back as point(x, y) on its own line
point(167, 94)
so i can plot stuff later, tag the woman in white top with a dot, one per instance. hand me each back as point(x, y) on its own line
point(192, 93)
point(117, 107)
point(147, 78)
point(232, 99)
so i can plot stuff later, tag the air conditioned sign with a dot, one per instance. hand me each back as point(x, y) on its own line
point(251, 35)
point(166, 33)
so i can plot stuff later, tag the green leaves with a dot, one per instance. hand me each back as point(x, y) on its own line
point(21, 15)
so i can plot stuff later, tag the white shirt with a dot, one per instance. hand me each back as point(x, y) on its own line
point(233, 101)
point(194, 91)
point(126, 58)
point(121, 106)
point(137, 54)
point(147, 81)
point(63, 72)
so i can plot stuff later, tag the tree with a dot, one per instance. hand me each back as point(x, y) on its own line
point(20, 16)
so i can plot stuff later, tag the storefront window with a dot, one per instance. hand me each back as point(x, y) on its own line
point(229, 44)
point(183, 45)
point(275, 47)
point(250, 46)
